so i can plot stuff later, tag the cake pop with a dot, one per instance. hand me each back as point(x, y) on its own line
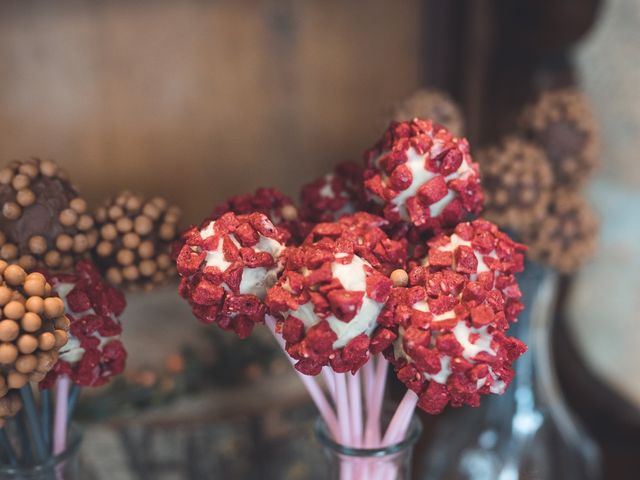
point(33, 329)
point(135, 237)
point(483, 254)
point(518, 183)
point(333, 195)
point(227, 266)
point(562, 123)
point(327, 302)
point(421, 174)
point(567, 236)
point(43, 222)
point(433, 104)
point(451, 346)
point(94, 352)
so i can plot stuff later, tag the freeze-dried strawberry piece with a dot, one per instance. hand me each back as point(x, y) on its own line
point(433, 190)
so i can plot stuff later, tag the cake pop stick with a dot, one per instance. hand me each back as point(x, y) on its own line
point(7, 448)
point(33, 421)
point(372, 433)
point(74, 395)
point(355, 405)
point(45, 414)
point(401, 418)
point(60, 419)
point(312, 386)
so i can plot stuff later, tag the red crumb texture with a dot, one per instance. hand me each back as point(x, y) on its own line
point(446, 157)
point(93, 308)
point(364, 231)
point(214, 293)
point(333, 195)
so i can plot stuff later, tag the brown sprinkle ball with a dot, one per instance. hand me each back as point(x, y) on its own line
point(41, 216)
point(562, 123)
point(134, 241)
point(517, 181)
point(567, 236)
point(400, 278)
point(432, 105)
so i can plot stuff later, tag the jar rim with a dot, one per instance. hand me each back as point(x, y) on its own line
point(413, 434)
point(74, 439)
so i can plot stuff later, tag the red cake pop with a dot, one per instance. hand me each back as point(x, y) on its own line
point(327, 302)
point(226, 268)
point(451, 345)
point(277, 206)
point(420, 173)
point(335, 194)
point(94, 352)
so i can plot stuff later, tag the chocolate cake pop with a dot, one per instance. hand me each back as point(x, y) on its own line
point(433, 104)
point(134, 242)
point(33, 329)
point(226, 268)
point(567, 236)
point(517, 181)
point(335, 194)
point(327, 303)
point(562, 123)
point(421, 174)
point(94, 352)
point(43, 220)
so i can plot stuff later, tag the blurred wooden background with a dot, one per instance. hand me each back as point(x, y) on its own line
point(198, 100)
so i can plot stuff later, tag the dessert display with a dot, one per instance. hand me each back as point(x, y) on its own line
point(433, 104)
point(44, 222)
point(388, 272)
point(134, 240)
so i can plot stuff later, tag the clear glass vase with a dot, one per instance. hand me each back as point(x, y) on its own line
point(386, 463)
point(65, 466)
point(528, 432)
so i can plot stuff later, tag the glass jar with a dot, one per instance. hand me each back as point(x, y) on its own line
point(65, 466)
point(385, 463)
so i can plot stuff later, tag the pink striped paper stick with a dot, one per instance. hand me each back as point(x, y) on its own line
point(60, 420)
point(311, 384)
point(355, 403)
point(401, 419)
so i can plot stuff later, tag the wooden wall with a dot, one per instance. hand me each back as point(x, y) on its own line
point(198, 100)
